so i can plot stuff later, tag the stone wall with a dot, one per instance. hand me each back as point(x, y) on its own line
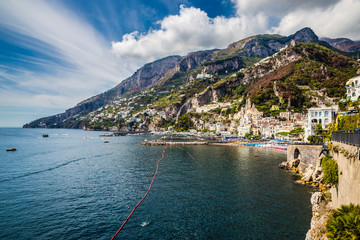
point(348, 189)
point(308, 155)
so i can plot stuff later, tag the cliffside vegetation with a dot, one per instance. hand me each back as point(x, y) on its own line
point(184, 123)
point(344, 223)
point(330, 168)
point(347, 122)
point(319, 69)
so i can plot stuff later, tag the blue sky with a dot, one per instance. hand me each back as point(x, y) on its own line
point(54, 54)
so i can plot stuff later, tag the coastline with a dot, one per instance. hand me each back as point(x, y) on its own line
point(281, 148)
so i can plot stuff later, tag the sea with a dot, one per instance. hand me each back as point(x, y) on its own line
point(72, 185)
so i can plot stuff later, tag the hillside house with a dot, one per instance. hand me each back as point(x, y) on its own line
point(353, 89)
point(323, 115)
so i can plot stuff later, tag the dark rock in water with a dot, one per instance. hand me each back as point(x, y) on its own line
point(289, 165)
point(283, 165)
point(11, 149)
point(294, 163)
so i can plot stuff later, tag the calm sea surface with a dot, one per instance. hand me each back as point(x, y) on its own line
point(72, 185)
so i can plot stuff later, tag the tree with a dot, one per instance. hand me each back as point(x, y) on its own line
point(344, 223)
point(184, 123)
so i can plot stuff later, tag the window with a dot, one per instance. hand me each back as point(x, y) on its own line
point(353, 94)
point(319, 114)
point(316, 114)
point(326, 121)
point(312, 114)
point(352, 84)
point(326, 113)
point(319, 120)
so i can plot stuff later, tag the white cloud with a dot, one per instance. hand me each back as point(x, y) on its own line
point(79, 61)
point(191, 30)
point(279, 8)
point(339, 20)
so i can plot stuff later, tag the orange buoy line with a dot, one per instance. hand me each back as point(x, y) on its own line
point(152, 181)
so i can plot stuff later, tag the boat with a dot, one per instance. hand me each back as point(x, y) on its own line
point(45, 135)
point(106, 141)
point(11, 149)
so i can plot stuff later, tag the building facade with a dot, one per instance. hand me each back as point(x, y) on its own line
point(353, 89)
point(323, 115)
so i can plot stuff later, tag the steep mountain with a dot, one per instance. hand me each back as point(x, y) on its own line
point(299, 76)
point(174, 83)
point(146, 76)
point(343, 44)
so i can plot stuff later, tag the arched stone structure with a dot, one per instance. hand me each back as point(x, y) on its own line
point(308, 154)
point(297, 153)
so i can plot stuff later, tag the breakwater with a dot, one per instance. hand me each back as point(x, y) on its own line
point(161, 143)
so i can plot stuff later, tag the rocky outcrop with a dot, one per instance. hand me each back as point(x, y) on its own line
point(192, 60)
point(148, 75)
point(320, 214)
point(305, 35)
point(343, 44)
point(224, 65)
point(269, 65)
point(207, 96)
point(267, 45)
point(290, 165)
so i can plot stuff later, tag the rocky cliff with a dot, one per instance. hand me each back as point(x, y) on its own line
point(266, 45)
point(343, 44)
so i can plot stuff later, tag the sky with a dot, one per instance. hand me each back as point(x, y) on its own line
point(56, 53)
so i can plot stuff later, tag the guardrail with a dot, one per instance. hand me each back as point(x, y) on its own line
point(351, 136)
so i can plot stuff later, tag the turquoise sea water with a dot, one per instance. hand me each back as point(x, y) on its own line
point(72, 185)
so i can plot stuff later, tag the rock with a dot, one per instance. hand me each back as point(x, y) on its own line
point(321, 213)
point(294, 163)
point(316, 198)
point(308, 174)
point(192, 60)
point(318, 174)
point(283, 165)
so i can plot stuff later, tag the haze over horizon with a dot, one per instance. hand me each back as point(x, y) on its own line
point(55, 54)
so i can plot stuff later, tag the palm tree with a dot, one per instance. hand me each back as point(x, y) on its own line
point(344, 223)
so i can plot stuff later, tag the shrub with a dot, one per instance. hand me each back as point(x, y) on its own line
point(184, 123)
point(344, 223)
point(330, 169)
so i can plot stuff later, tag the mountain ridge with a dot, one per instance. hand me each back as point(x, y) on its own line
point(175, 71)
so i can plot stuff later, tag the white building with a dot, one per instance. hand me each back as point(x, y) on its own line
point(353, 88)
point(323, 115)
point(243, 130)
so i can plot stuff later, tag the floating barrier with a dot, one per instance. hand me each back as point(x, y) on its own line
point(152, 181)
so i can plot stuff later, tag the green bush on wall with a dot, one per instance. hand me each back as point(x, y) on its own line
point(330, 168)
point(344, 223)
